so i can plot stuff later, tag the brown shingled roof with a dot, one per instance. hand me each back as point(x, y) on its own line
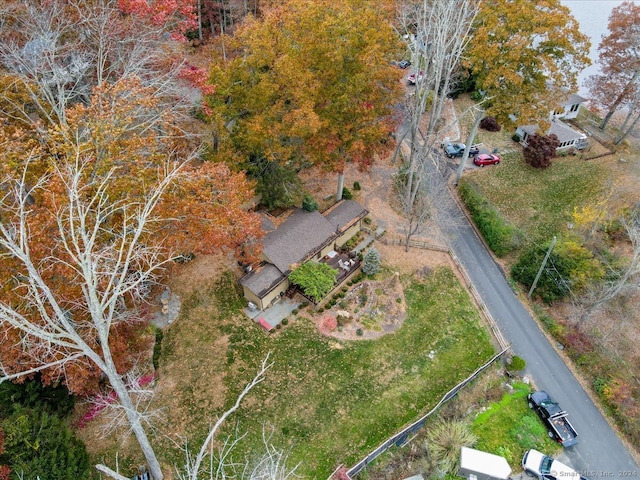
point(300, 234)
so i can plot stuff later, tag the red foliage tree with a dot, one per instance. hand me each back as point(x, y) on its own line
point(619, 59)
point(540, 150)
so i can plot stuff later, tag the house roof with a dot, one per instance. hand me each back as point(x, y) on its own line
point(301, 233)
point(560, 129)
point(574, 99)
point(262, 279)
point(344, 214)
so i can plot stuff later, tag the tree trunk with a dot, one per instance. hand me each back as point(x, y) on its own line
point(465, 155)
point(340, 186)
point(622, 134)
point(625, 91)
point(134, 418)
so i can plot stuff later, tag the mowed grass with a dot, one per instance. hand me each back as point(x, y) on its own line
point(540, 202)
point(329, 402)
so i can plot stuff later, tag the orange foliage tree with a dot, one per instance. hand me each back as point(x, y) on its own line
point(118, 136)
point(309, 82)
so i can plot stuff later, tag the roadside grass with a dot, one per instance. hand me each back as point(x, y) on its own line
point(540, 202)
point(330, 402)
point(497, 413)
point(509, 427)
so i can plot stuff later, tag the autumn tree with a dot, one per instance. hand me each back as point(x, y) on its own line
point(619, 58)
point(624, 278)
point(540, 150)
point(309, 83)
point(91, 220)
point(56, 52)
point(519, 48)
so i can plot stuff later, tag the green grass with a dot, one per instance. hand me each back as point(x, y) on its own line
point(540, 202)
point(509, 427)
point(334, 405)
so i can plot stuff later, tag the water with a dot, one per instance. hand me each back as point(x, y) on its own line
point(593, 17)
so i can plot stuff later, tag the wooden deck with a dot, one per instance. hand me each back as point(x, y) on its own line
point(345, 265)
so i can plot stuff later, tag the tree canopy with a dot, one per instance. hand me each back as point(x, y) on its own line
point(315, 279)
point(518, 49)
point(310, 82)
point(618, 82)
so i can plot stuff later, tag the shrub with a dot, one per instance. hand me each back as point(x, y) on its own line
point(346, 193)
point(359, 332)
point(516, 363)
point(356, 186)
point(490, 124)
point(344, 289)
point(320, 310)
point(39, 444)
point(295, 311)
point(367, 220)
point(444, 441)
point(540, 150)
point(501, 237)
point(285, 321)
point(309, 204)
point(476, 96)
point(516, 138)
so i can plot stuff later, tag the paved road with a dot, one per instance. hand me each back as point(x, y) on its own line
point(599, 453)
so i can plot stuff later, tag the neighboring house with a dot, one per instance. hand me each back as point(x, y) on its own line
point(302, 237)
point(569, 108)
point(567, 136)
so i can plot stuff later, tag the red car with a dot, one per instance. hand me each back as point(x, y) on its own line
point(486, 159)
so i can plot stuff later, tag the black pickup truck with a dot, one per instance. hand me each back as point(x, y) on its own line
point(554, 417)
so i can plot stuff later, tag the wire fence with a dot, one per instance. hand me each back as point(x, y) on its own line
point(406, 434)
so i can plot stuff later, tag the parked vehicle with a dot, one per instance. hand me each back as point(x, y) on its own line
point(483, 159)
point(404, 64)
point(457, 149)
point(554, 417)
point(543, 467)
point(413, 78)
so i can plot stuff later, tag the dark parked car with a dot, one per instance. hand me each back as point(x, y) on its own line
point(560, 429)
point(457, 149)
point(486, 159)
point(404, 63)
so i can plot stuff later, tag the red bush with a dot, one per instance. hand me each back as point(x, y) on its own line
point(490, 124)
point(540, 150)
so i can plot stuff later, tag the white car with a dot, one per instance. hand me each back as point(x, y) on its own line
point(543, 467)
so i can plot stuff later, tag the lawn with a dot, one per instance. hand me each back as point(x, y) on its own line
point(509, 427)
point(540, 202)
point(329, 402)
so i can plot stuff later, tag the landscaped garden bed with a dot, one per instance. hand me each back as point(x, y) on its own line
point(330, 401)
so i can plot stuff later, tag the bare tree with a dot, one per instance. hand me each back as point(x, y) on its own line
point(107, 273)
point(60, 51)
point(623, 281)
point(437, 32)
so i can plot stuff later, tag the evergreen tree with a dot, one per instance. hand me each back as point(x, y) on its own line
point(371, 262)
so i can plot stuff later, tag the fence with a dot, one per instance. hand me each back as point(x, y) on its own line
point(402, 437)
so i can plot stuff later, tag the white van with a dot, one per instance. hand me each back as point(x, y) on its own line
point(544, 467)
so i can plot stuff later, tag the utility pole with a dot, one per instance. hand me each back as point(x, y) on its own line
point(544, 262)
